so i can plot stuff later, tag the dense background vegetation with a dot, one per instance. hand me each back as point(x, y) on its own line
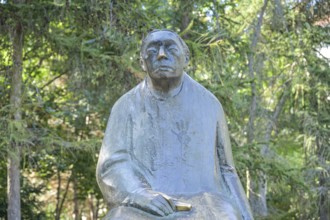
point(64, 64)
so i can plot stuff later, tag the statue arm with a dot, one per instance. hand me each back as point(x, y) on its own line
point(117, 174)
point(228, 170)
point(120, 179)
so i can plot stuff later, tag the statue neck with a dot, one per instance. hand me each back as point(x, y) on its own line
point(164, 88)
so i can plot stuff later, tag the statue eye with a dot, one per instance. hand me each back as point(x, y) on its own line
point(173, 49)
point(152, 50)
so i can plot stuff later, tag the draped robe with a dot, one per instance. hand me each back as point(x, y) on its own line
point(178, 146)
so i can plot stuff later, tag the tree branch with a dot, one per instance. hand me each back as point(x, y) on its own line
point(271, 123)
point(47, 84)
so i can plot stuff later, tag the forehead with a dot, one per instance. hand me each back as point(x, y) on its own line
point(162, 36)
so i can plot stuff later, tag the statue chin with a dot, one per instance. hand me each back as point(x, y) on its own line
point(165, 74)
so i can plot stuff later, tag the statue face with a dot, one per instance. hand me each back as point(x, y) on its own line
point(164, 56)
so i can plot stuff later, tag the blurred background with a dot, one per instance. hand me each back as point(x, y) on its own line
point(63, 64)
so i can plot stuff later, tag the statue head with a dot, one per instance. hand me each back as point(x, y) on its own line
point(164, 54)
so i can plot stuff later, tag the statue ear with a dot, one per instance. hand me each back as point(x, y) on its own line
point(186, 61)
point(142, 63)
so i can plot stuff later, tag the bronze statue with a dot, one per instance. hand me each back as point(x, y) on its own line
point(166, 153)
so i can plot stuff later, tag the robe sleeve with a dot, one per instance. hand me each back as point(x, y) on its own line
point(117, 175)
point(227, 167)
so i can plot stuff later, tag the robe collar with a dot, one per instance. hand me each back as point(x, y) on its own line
point(163, 96)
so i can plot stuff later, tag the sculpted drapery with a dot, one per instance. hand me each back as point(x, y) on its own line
point(168, 147)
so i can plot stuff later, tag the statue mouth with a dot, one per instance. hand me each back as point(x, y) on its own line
point(165, 68)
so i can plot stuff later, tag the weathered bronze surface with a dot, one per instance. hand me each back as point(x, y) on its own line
point(166, 153)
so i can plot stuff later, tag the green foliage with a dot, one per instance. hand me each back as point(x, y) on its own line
point(81, 56)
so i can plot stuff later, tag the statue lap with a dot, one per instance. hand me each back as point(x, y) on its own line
point(205, 206)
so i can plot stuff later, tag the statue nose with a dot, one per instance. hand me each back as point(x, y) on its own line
point(161, 53)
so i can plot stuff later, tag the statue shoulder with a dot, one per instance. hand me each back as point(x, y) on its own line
point(204, 93)
point(126, 101)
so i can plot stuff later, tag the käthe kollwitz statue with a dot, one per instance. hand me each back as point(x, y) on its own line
point(166, 153)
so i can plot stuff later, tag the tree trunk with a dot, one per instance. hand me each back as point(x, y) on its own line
point(97, 207)
point(14, 155)
point(65, 194)
point(185, 14)
point(259, 187)
point(75, 198)
point(93, 209)
point(317, 104)
point(58, 195)
point(60, 201)
point(324, 201)
point(256, 186)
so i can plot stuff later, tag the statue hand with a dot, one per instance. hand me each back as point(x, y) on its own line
point(150, 201)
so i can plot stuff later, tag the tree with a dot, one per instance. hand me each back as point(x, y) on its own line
point(14, 155)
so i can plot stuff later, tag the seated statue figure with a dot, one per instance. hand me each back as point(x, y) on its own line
point(166, 153)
